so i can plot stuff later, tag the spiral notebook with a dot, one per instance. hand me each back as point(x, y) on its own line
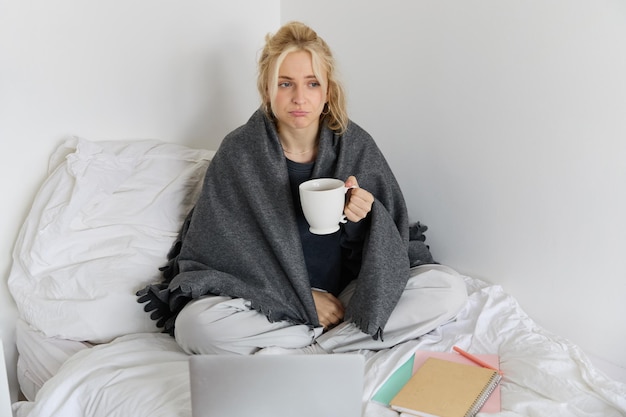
point(446, 389)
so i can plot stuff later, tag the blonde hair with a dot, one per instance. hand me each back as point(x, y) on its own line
point(293, 37)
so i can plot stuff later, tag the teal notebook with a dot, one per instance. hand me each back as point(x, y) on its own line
point(394, 383)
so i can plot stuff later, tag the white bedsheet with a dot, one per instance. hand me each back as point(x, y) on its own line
point(544, 375)
point(40, 357)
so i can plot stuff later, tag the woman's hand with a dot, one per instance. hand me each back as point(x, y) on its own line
point(359, 202)
point(329, 309)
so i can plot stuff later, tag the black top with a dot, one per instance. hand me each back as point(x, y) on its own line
point(330, 259)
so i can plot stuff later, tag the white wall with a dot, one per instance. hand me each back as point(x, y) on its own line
point(505, 122)
point(181, 71)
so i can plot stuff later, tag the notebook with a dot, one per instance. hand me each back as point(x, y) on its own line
point(276, 385)
point(403, 373)
point(446, 389)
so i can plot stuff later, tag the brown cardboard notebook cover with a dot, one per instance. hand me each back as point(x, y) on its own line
point(446, 389)
point(492, 405)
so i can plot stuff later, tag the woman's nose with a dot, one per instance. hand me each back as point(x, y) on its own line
point(298, 96)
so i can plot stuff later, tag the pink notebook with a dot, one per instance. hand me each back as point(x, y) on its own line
point(493, 403)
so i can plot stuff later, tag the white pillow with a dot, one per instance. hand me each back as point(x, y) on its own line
point(98, 230)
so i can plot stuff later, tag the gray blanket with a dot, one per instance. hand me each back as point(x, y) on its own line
point(242, 239)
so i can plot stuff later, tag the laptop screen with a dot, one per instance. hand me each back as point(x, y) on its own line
point(277, 385)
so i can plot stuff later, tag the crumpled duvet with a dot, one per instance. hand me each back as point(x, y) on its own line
point(146, 375)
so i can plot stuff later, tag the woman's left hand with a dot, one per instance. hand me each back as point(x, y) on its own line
point(359, 202)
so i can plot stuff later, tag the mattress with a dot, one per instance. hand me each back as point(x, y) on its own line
point(40, 357)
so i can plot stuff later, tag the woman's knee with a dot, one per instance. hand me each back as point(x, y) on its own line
point(197, 326)
point(439, 286)
point(457, 293)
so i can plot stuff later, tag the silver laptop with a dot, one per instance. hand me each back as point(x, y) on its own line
point(277, 385)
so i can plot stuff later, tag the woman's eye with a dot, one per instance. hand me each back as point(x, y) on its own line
point(284, 84)
point(314, 84)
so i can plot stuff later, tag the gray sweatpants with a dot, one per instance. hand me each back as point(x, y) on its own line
point(433, 296)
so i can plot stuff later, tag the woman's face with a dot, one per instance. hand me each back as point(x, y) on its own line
point(300, 97)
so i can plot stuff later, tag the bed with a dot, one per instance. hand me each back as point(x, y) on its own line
point(103, 222)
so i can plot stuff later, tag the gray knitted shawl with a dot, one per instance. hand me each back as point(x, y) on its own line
point(242, 239)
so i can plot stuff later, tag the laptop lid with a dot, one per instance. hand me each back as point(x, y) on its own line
point(276, 385)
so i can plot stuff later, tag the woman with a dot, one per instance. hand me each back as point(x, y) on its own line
point(250, 277)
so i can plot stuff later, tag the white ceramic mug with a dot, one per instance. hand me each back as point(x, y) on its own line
point(323, 201)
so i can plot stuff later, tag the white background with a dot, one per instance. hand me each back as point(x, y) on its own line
point(504, 121)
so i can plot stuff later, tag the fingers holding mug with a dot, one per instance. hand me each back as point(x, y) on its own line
point(359, 201)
